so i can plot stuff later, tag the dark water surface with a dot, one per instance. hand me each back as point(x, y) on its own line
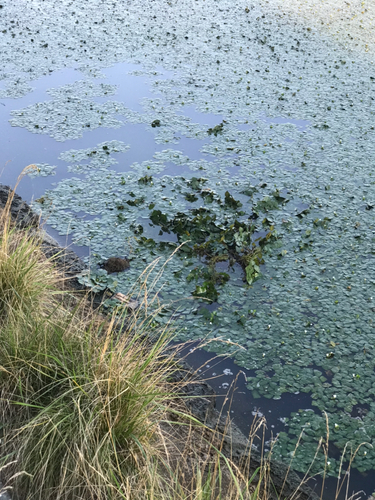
point(134, 113)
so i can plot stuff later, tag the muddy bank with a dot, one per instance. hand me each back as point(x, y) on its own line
point(201, 401)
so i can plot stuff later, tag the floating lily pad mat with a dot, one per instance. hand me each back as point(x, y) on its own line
point(275, 216)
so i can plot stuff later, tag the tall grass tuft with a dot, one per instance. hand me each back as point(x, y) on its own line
point(82, 405)
point(26, 277)
point(80, 399)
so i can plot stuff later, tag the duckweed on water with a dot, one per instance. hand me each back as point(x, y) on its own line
point(43, 170)
point(295, 153)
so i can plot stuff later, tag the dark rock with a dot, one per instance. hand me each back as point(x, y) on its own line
point(115, 265)
point(66, 259)
point(155, 123)
point(20, 211)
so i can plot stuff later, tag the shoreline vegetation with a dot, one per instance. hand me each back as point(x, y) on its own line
point(102, 407)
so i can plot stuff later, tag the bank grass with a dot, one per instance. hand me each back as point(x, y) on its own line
point(26, 276)
point(204, 471)
point(83, 406)
point(90, 412)
point(81, 396)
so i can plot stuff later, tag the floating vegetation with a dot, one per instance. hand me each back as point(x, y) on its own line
point(70, 118)
point(98, 280)
point(147, 179)
point(218, 129)
point(100, 157)
point(274, 206)
point(42, 170)
point(231, 242)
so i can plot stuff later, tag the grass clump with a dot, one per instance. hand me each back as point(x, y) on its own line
point(81, 396)
point(83, 408)
point(24, 280)
point(25, 274)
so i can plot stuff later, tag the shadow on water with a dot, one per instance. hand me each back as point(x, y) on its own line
point(234, 399)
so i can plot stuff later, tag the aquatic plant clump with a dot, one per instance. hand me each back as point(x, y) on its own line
point(143, 211)
point(290, 139)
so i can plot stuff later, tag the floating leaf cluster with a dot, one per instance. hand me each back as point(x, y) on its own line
point(42, 170)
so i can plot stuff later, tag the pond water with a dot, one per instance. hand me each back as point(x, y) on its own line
point(244, 132)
